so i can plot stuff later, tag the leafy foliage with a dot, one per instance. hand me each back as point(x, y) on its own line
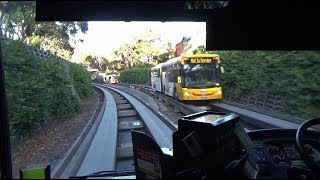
point(147, 49)
point(82, 81)
point(17, 18)
point(38, 89)
point(27, 98)
point(293, 76)
point(135, 76)
point(200, 50)
point(64, 103)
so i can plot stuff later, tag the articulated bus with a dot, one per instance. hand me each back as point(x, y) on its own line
point(189, 77)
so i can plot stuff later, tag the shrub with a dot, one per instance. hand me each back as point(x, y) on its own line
point(135, 76)
point(82, 80)
point(36, 89)
point(292, 75)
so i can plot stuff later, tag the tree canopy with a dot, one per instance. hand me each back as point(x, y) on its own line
point(17, 21)
point(147, 49)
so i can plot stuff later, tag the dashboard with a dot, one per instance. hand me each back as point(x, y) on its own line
point(275, 152)
point(286, 153)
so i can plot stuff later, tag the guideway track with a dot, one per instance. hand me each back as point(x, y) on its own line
point(107, 146)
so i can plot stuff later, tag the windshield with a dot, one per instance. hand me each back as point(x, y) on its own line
point(201, 75)
point(52, 68)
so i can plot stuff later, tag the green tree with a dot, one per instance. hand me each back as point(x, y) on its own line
point(91, 61)
point(81, 80)
point(135, 76)
point(200, 50)
point(103, 63)
point(168, 54)
point(55, 36)
point(37, 89)
point(17, 21)
point(290, 76)
point(144, 51)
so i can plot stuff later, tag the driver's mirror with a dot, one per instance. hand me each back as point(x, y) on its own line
point(222, 69)
point(179, 79)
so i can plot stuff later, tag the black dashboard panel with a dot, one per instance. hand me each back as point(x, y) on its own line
point(275, 151)
point(286, 153)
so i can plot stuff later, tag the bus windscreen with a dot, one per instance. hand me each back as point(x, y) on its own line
point(201, 75)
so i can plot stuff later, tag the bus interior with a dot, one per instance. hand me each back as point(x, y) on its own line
point(210, 145)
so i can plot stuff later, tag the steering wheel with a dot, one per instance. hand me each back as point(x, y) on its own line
point(314, 167)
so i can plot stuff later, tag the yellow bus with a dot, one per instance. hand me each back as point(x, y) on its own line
point(189, 77)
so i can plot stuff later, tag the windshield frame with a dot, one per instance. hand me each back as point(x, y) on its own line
point(5, 149)
point(5, 157)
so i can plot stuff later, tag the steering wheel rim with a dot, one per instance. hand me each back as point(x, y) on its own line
point(300, 144)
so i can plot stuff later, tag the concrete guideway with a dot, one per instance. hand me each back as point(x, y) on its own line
point(63, 167)
point(150, 103)
point(101, 154)
point(258, 119)
point(159, 130)
point(99, 149)
point(128, 119)
point(90, 153)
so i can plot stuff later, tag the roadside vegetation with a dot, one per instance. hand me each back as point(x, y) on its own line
point(39, 90)
point(292, 77)
point(135, 76)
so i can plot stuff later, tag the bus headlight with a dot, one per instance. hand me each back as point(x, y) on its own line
point(187, 93)
point(219, 92)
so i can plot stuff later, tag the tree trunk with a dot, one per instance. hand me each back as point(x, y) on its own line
point(6, 28)
point(22, 32)
point(28, 40)
point(18, 33)
point(1, 22)
point(0, 29)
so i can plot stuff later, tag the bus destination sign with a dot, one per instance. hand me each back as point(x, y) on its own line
point(200, 60)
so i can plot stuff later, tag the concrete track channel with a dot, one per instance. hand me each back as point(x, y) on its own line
point(128, 119)
point(107, 144)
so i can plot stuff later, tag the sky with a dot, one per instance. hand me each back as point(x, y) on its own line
point(103, 37)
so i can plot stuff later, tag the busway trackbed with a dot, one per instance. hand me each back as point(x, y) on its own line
point(98, 149)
